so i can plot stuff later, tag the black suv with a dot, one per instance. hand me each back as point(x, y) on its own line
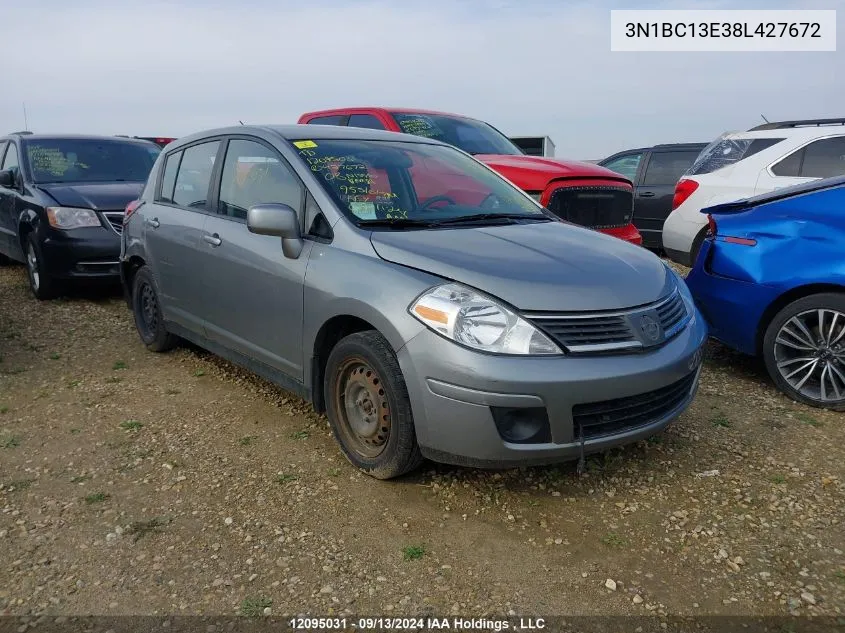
point(62, 200)
point(654, 171)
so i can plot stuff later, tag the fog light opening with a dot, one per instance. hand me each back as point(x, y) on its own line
point(522, 425)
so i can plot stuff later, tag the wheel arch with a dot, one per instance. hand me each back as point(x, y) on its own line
point(793, 294)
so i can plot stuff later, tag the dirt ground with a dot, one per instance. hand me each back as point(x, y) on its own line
point(141, 483)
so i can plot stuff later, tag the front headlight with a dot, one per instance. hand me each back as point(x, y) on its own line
point(70, 218)
point(480, 322)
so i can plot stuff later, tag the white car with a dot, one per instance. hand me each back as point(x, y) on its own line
point(743, 164)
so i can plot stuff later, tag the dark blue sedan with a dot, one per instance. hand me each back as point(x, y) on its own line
point(770, 281)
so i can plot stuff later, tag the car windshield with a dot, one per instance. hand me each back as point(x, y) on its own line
point(400, 185)
point(726, 151)
point(474, 137)
point(89, 160)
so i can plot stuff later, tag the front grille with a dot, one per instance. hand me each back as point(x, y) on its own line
point(618, 331)
point(672, 314)
point(574, 332)
point(595, 207)
point(115, 220)
point(598, 419)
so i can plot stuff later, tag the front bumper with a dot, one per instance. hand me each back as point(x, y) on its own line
point(454, 392)
point(629, 233)
point(86, 254)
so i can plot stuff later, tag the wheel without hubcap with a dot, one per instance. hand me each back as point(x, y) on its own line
point(368, 406)
point(32, 267)
point(363, 408)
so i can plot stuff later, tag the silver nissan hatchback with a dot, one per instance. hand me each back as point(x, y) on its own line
point(427, 305)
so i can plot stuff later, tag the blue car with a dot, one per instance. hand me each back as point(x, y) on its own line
point(770, 282)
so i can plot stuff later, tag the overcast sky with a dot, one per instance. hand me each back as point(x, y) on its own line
point(529, 67)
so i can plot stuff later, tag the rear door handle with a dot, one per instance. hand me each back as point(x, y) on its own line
point(214, 240)
point(647, 194)
point(154, 223)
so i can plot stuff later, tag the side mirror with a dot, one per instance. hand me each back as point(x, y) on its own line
point(278, 220)
point(7, 178)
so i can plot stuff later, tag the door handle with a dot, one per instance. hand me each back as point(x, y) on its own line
point(154, 223)
point(647, 194)
point(214, 240)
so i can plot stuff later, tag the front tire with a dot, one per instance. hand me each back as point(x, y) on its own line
point(368, 406)
point(42, 285)
point(147, 312)
point(804, 350)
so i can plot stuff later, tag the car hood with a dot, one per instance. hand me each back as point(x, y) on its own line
point(533, 173)
point(100, 196)
point(545, 266)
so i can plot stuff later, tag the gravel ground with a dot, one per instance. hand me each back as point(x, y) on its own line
point(141, 483)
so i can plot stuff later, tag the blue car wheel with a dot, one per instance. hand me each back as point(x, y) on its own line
point(804, 350)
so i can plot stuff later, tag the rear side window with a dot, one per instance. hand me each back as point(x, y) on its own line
point(724, 152)
point(327, 120)
point(194, 175)
point(366, 121)
point(168, 178)
point(666, 168)
point(824, 158)
point(790, 166)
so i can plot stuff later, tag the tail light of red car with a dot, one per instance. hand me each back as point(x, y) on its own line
point(130, 209)
point(683, 190)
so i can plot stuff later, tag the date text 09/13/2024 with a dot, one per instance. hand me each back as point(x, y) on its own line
point(415, 624)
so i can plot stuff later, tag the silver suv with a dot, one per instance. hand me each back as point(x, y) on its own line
point(426, 304)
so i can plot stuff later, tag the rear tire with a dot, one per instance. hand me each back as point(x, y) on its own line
point(42, 285)
point(696, 247)
point(147, 312)
point(368, 406)
point(802, 353)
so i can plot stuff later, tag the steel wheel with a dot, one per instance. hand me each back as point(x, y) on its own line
point(361, 402)
point(809, 350)
point(149, 309)
point(32, 267)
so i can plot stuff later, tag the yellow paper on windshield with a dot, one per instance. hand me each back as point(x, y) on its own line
point(304, 144)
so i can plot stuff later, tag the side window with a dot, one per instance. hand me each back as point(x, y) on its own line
point(365, 120)
point(666, 168)
point(255, 174)
point(168, 178)
point(194, 175)
point(327, 120)
point(625, 165)
point(790, 165)
point(2, 149)
point(11, 159)
point(824, 158)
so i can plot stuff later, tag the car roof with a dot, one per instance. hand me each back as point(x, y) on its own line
point(795, 133)
point(309, 132)
point(400, 110)
point(651, 148)
point(61, 137)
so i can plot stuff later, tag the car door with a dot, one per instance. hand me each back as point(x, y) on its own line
point(9, 245)
point(173, 230)
point(655, 189)
point(822, 158)
point(254, 300)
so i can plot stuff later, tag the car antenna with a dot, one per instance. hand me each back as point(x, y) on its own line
point(241, 122)
point(764, 118)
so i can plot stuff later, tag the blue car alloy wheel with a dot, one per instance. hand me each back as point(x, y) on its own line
point(804, 350)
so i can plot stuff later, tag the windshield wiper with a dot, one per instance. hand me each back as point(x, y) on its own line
point(492, 218)
point(398, 223)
